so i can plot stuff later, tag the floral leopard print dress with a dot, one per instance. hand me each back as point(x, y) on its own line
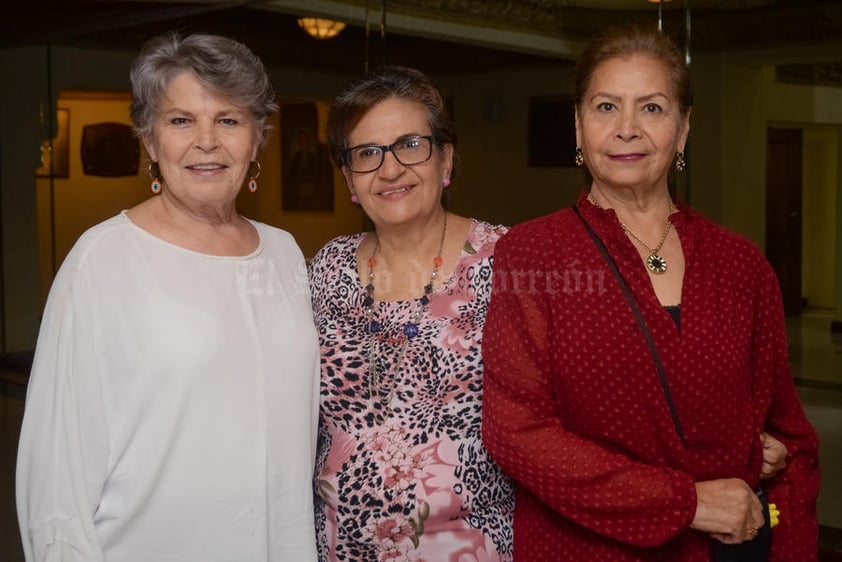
point(411, 481)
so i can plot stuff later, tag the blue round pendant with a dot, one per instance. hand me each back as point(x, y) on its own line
point(410, 330)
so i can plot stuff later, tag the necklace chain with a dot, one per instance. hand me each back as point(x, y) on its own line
point(657, 248)
point(374, 328)
point(654, 262)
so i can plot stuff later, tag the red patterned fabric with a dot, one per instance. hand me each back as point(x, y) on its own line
point(574, 412)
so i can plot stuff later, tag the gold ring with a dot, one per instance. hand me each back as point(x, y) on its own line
point(752, 531)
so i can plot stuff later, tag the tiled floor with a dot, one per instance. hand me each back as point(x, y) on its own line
point(816, 360)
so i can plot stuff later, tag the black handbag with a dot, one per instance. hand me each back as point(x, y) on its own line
point(755, 550)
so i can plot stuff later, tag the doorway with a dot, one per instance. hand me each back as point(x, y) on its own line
point(783, 212)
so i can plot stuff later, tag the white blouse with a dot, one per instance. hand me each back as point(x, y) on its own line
point(172, 406)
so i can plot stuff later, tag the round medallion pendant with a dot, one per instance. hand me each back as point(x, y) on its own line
point(656, 264)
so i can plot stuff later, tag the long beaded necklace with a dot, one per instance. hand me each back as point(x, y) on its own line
point(374, 328)
point(655, 262)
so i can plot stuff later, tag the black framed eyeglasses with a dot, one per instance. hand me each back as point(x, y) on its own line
point(409, 151)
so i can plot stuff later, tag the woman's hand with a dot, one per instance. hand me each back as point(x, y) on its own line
point(727, 509)
point(774, 456)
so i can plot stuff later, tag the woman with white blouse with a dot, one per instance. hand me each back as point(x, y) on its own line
point(177, 348)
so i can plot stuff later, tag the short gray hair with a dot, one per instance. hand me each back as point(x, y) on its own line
point(224, 66)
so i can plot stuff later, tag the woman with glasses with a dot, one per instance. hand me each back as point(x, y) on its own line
point(401, 471)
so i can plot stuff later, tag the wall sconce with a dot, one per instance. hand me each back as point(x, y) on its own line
point(321, 28)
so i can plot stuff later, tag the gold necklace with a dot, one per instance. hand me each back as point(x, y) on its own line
point(655, 263)
point(374, 328)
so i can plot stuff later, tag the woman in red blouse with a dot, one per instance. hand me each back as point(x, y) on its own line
point(639, 437)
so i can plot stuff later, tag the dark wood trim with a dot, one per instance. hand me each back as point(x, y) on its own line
point(15, 367)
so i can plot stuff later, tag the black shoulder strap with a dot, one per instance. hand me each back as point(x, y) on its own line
point(641, 323)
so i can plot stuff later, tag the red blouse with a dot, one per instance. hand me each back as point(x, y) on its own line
point(573, 409)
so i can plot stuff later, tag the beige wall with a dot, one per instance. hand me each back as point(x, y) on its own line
point(818, 111)
point(68, 206)
point(494, 181)
point(311, 229)
point(819, 242)
point(743, 152)
point(735, 104)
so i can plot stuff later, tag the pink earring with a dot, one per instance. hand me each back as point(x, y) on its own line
point(154, 173)
point(446, 182)
point(354, 199)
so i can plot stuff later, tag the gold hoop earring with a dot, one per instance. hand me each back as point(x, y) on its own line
point(253, 179)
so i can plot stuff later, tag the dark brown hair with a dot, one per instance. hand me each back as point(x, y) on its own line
point(385, 82)
point(628, 40)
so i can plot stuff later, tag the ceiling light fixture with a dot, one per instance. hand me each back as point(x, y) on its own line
point(658, 1)
point(321, 28)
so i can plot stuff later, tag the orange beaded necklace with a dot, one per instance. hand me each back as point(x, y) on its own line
point(378, 393)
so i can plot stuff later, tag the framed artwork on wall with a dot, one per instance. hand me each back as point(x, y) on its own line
point(306, 171)
point(551, 132)
point(110, 150)
point(55, 154)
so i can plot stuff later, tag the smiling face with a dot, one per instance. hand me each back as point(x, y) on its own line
point(203, 144)
point(629, 124)
point(395, 194)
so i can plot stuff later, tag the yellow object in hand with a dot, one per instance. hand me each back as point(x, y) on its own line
point(774, 515)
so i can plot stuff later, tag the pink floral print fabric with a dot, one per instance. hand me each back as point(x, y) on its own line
point(411, 482)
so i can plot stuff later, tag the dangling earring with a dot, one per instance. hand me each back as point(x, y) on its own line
point(680, 162)
point(253, 179)
point(354, 199)
point(446, 182)
point(154, 173)
point(580, 158)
